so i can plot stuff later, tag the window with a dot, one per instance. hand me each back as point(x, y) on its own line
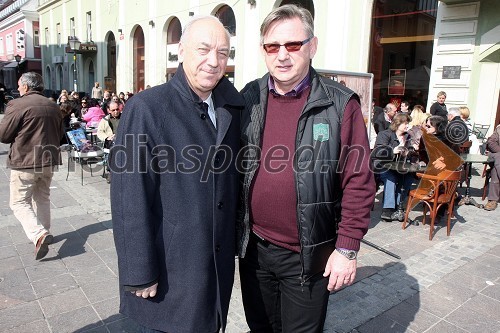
point(9, 44)
point(20, 40)
point(72, 31)
point(36, 38)
point(58, 32)
point(89, 26)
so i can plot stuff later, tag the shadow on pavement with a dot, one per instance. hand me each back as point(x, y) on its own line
point(384, 299)
point(74, 241)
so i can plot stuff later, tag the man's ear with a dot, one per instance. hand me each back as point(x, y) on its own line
point(314, 47)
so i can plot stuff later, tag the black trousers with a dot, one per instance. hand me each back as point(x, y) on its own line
point(273, 297)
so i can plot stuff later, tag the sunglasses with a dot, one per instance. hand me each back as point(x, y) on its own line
point(290, 46)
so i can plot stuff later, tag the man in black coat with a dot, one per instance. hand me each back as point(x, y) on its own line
point(383, 121)
point(174, 189)
point(439, 108)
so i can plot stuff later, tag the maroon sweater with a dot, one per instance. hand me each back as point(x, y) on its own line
point(273, 197)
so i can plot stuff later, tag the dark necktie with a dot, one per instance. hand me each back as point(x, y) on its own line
point(204, 106)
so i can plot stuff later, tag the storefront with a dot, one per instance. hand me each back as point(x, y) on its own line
point(402, 38)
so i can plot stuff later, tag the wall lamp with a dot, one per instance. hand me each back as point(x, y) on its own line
point(252, 2)
point(191, 13)
point(120, 31)
point(152, 23)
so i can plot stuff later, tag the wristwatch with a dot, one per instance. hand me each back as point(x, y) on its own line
point(349, 254)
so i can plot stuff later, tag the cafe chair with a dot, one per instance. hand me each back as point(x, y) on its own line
point(82, 151)
point(465, 147)
point(442, 191)
point(480, 131)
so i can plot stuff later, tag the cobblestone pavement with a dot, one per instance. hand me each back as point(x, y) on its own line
point(449, 284)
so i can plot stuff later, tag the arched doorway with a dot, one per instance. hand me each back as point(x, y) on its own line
point(174, 32)
point(110, 78)
point(138, 59)
point(59, 77)
point(47, 79)
point(90, 77)
point(307, 4)
point(401, 50)
point(226, 16)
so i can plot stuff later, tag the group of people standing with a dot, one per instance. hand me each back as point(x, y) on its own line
point(267, 173)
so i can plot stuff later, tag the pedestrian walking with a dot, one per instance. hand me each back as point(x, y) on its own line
point(33, 126)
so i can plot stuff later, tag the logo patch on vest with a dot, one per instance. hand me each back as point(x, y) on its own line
point(321, 132)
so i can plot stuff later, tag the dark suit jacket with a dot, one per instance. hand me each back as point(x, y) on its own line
point(380, 124)
point(174, 189)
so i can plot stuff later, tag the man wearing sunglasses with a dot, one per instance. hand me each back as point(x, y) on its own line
point(306, 189)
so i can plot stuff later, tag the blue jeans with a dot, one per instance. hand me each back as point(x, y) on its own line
point(396, 187)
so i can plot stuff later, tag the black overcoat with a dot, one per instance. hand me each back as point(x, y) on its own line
point(174, 191)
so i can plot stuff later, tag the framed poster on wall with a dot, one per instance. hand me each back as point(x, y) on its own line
point(397, 81)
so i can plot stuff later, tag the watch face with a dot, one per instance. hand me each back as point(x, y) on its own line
point(351, 255)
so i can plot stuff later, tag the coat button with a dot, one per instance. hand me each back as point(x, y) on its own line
point(217, 248)
point(220, 205)
point(203, 116)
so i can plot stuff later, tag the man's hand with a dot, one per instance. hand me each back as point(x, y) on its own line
point(341, 270)
point(146, 292)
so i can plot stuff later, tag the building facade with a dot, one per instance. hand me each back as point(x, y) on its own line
point(19, 34)
point(466, 58)
point(414, 48)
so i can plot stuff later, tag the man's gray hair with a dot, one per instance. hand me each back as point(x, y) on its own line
point(454, 111)
point(187, 28)
point(112, 102)
point(32, 80)
point(288, 12)
point(389, 107)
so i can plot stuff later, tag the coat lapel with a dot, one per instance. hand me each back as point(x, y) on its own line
point(223, 123)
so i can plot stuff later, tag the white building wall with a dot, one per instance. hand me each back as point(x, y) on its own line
point(454, 43)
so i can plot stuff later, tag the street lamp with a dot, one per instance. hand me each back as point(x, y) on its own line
point(74, 45)
point(18, 58)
